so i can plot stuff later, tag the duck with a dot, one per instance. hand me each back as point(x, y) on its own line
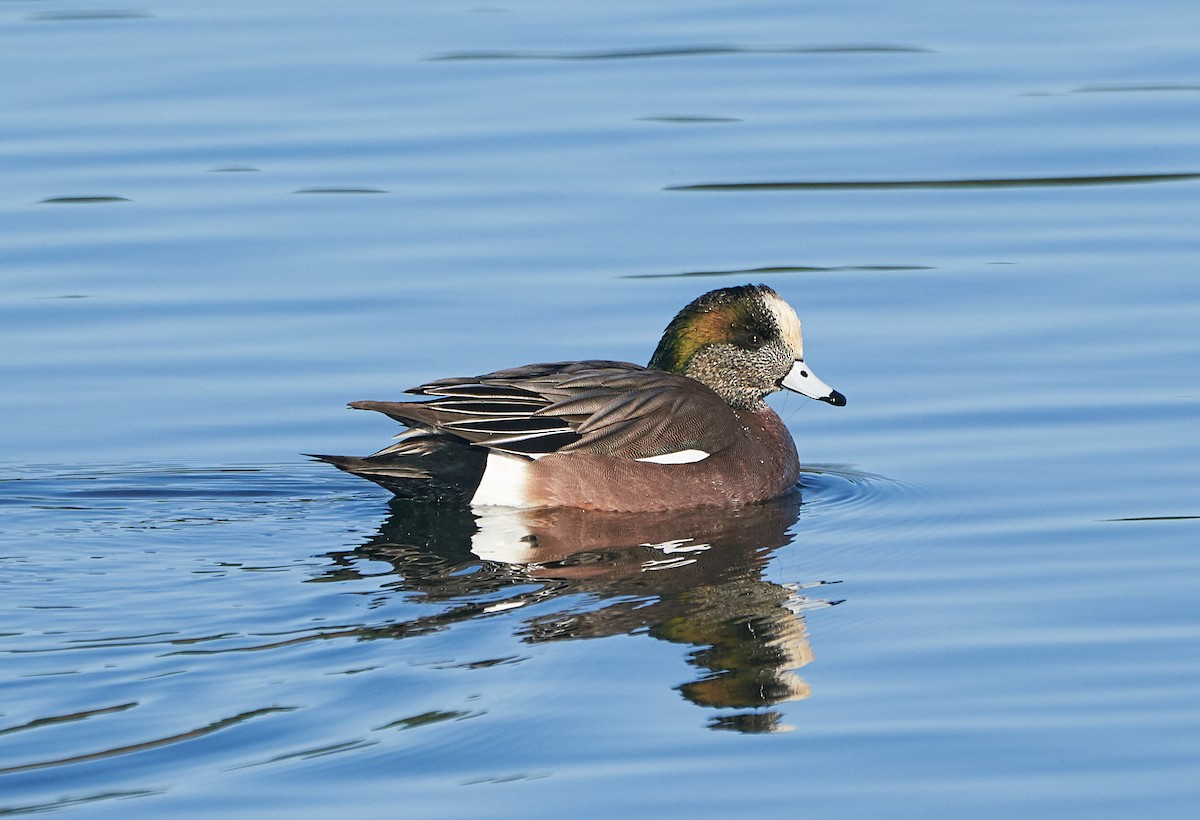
point(689, 429)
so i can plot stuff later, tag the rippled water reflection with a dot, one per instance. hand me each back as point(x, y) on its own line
point(693, 578)
point(698, 580)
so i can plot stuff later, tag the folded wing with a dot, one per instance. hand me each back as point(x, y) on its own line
point(614, 408)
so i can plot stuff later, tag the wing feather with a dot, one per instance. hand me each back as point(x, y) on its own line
point(614, 408)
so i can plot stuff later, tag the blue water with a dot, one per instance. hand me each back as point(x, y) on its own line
point(221, 222)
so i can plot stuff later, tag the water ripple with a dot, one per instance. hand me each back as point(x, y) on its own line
point(98, 14)
point(64, 488)
point(208, 729)
point(339, 191)
point(82, 200)
point(1155, 518)
point(679, 51)
point(910, 184)
point(1111, 89)
point(827, 487)
point(69, 718)
point(55, 805)
point(773, 269)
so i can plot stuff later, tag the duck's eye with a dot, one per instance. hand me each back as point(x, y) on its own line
point(747, 338)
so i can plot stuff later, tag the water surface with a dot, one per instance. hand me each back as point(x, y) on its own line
point(220, 223)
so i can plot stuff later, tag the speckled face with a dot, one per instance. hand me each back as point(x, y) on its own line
point(739, 341)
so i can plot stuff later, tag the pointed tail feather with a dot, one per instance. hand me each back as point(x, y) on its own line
point(441, 469)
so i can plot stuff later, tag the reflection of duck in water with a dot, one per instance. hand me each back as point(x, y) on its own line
point(691, 429)
point(691, 577)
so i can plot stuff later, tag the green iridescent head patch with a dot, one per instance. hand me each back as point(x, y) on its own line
point(736, 316)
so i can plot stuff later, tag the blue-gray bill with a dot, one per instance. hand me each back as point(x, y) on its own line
point(800, 379)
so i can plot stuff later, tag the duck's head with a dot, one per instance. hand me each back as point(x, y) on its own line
point(744, 343)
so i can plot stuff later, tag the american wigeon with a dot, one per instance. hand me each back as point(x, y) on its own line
point(690, 429)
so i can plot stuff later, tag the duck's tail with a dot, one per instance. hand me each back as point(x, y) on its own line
point(422, 467)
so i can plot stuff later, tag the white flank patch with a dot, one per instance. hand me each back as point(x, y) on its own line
point(503, 482)
point(679, 457)
point(789, 323)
